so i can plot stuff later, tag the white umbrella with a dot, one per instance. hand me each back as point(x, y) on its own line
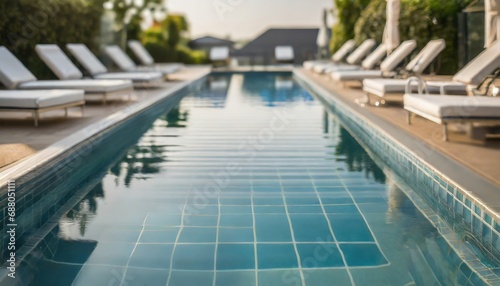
point(322, 40)
point(391, 30)
point(492, 22)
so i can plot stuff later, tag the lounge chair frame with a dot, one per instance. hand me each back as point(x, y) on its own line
point(37, 111)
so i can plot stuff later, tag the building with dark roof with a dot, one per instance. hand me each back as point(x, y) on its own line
point(260, 51)
point(208, 42)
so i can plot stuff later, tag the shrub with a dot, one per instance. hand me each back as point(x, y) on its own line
point(422, 20)
point(348, 12)
point(25, 23)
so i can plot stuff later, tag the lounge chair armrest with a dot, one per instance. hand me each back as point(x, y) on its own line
point(421, 85)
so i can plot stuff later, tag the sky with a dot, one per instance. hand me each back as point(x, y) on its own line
point(245, 19)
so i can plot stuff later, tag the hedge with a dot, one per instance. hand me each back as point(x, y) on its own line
point(422, 20)
point(25, 23)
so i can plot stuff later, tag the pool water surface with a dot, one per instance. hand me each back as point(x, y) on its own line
point(248, 181)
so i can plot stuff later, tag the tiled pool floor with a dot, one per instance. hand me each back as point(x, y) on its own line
point(248, 182)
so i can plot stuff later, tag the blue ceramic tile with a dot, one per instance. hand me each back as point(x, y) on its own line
point(350, 228)
point(192, 278)
point(236, 220)
point(163, 219)
point(235, 256)
point(236, 209)
point(302, 201)
point(201, 220)
point(362, 255)
point(310, 227)
point(152, 256)
point(95, 274)
point(236, 235)
point(331, 189)
point(236, 201)
point(272, 228)
point(324, 277)
point(111, 253)
point(205, 210)
point(279, 277)
point(141, 276)
point(194, 257)
point(231, 278)
point(341, 209)
point(319, 255)
point(269, 209)
point(305, 209)
point(271, 201)
point(118, 235)
point(198, 234)
point(274, 256)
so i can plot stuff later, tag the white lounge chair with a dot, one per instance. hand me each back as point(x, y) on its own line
point(219, 54)
point(14, 75)
point(38, 101)
point(125, 63)
point(145, 57)
point(464, 81)
point(353, 60)
point(445, 109)
point(97, 70)
point(337, 57)
point(284, 54)
point(387, 67)
point(393, 89)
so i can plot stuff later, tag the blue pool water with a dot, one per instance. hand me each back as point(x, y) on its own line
point(248, 181)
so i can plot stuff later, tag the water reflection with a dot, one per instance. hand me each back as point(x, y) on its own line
point(85, 209)
point(356, 158)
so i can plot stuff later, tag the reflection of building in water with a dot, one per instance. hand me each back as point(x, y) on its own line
point(283, 83)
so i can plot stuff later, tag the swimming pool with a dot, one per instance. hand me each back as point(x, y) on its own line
point(248, 181)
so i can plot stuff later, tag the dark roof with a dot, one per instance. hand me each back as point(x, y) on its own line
point(303, 41)
point(210, 41)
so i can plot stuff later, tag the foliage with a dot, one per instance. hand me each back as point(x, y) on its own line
point(25, 23)
point(120, 7)
point(163, 41)
point(175, 25)
point(422, 20)
point(347, 13)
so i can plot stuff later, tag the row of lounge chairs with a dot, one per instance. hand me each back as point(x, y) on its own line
point(27, 93)
point(442, 102)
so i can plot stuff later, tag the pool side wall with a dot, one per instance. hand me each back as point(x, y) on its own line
point(446, 198)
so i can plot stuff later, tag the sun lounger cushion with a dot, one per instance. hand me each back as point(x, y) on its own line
point(90, 86)
point(119, 57)
point(439, 107)
point(58, 62)
point(12, 71)
point(140, 52)
point(382, 86)
point(86, 58)
point(426, 56)
point(480, 67)
point(374, 58)
point(135, 76)
point(345, 49)
point(356, 75)
point(30, 99)
point(398, 55)
point(358, 54)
